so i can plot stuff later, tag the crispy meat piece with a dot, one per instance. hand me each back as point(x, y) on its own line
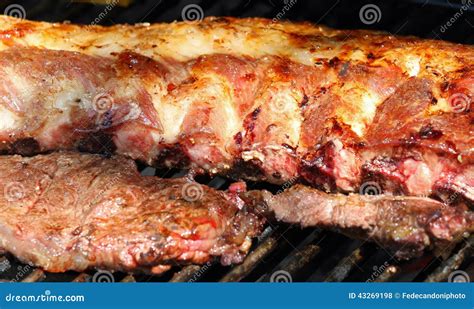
point(406, 225)
point(290, 101)
point(70, 211)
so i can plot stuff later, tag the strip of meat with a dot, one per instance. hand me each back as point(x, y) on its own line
point(406, 225)
point(250, 98)
point(70, 211)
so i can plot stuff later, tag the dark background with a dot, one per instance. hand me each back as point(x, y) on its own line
point(423, 18)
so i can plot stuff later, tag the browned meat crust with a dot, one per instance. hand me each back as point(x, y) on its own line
point(251, 98)
point(69, 211)
point(406, 225)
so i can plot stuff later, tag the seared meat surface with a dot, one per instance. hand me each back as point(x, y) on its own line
point(70, 211)
point(250, 98)
point(406, 225)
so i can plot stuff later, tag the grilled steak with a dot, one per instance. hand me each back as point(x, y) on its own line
point(71, 211)
point(250, 98)
point(68, 211)
point(407, 225)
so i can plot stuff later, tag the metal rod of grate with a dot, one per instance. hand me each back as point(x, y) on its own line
point(345, 266)
point(441, 273)
point(302, 259)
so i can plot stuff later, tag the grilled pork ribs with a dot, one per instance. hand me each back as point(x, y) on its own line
point(249, 98)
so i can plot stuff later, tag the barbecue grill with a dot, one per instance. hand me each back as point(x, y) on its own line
point(283, 252)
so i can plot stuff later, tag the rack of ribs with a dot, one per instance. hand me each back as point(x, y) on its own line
point(247, 98)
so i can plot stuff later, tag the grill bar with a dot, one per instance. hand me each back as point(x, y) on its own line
point(187, 273)
point(388, 274)
point(82, 277)
point(128, 278)
point(453, 263)
point(298, 261)
point(255, 257)
point(299, 258)
point(345, 266)
point(34, 276)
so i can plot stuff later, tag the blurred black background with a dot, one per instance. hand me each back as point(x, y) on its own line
point(424, 18)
